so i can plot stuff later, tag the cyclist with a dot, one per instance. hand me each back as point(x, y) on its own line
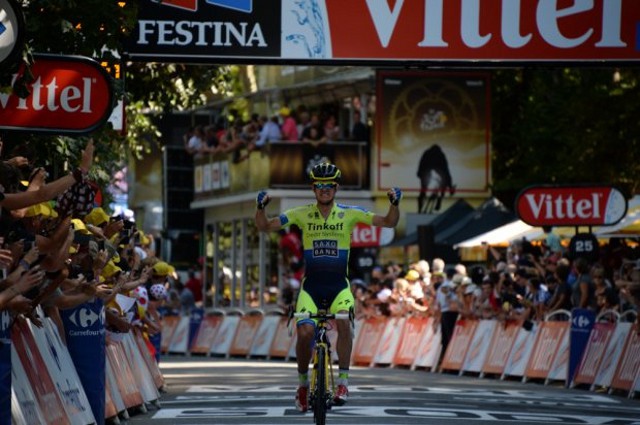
point(326, 237)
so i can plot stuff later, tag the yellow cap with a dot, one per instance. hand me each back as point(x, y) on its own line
point(163, 269)
point(97, 216)
point(44, 209)
point(285, 111)
point(110, 269)
point(79, 226)
point(412, 275)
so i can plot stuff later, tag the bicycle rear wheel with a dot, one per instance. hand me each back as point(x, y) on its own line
point(320, 399)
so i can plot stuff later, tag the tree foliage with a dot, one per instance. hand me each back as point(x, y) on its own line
point(97, 29)
point(565, 125)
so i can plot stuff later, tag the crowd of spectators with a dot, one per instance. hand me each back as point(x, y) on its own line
point(60, 250)
point(241, 138)
point(526, 283)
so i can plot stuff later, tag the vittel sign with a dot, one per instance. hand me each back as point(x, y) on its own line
point(69, 94)
point(571, 205)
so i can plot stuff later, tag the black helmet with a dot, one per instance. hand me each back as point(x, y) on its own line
point(324, 172)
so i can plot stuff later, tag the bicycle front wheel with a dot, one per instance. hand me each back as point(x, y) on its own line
point(320, 399)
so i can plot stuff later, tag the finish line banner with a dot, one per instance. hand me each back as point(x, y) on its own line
point(381, 31)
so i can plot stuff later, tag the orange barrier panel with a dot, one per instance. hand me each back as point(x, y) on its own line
point(389, 341)
point(611, 356)
point(169, 324)
point(149, 360)
point(37, 373)
point(224, 337)
point(245, 333)
point(179, 343)
point(124, 377)
point(459, 344)
point(281, 342)
point(368, 340)
point(522, 349)
point(548, 340)
point(429, 347)
point(410, 340)
point(264, 336)
point(502, 342)
point(479, 347)
point(628, 363)
point(593, 353)
point(206, 334)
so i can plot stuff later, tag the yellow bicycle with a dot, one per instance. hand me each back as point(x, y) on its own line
point(321, 383)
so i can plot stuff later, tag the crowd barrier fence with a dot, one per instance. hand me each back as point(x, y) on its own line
point(567, 347)
point(45, 386)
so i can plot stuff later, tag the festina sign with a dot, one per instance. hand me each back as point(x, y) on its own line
point(69, 94)
point(371, 31)
point(571, 205)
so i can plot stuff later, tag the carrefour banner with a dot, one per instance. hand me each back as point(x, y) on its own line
point(321, 31)
point(433, 135)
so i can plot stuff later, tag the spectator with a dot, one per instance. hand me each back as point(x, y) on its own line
point(331, 129)
point(194, 284)
point(314, 133)
point(270, 132)
point(583, 294)
point(359, 130)
point(196, 144)
point(289, 127)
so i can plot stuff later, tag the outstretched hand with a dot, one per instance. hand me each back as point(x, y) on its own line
point(262, 199)
point(395, 195)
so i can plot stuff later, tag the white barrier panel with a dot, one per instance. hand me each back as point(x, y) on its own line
point(390, 341)
point(611, 356)
point(63, 372)
point(548, 340)
point(224, 337)
point(169, 324)
point(429, 348)
point(25, 409)
point(180, 338)
point(522, 348)
point(125, 383)
point(150, 361)
point(479, 347)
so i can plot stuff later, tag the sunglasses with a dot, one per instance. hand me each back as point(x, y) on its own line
point(324, 185)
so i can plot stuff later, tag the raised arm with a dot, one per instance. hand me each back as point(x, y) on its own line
point(263, 223)
point(393, 215)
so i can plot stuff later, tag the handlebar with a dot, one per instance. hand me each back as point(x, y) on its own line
point(323, 316)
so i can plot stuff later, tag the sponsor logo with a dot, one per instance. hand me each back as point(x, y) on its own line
point(325, 248)
point(364, 235)
point(192, 5)
point(69, 94)
point(571, 206)
point(84, 317)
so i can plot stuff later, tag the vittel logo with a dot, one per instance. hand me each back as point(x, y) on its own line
point(192, 5)
point(571, 206)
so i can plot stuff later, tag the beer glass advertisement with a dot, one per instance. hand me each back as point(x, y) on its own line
point(433, 135)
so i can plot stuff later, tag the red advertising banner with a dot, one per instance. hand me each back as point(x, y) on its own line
point(571, 205)
point(69, 94)
point(454, 31)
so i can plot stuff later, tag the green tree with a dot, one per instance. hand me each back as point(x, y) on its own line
point(565, 125)
point(97, 29)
